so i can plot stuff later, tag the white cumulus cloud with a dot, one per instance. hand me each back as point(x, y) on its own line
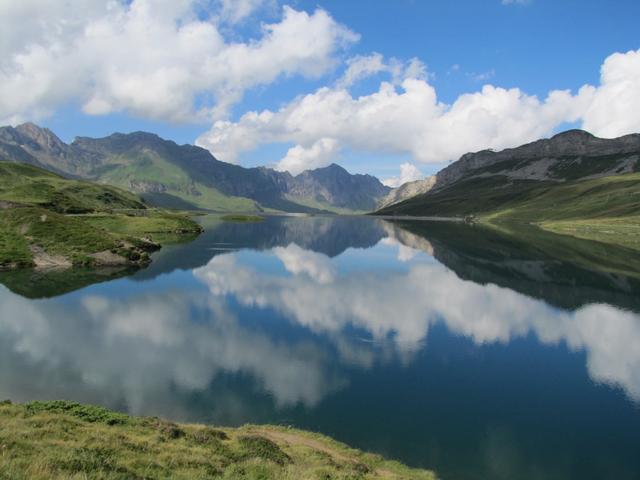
point(408, 173)
point(363, 66)
point(406, 117)
point(234, 11)
point(613, 106)
point(152, 58)
point(298, 158)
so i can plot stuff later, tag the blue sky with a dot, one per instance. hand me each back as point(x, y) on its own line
point(535, 47)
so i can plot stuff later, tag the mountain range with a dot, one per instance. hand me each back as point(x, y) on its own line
point(573, 175)
point(186, 176)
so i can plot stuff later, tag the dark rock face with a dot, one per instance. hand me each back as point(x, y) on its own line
point(37, 146)
point(542, 159)
point(91, 157)
point(335, 186)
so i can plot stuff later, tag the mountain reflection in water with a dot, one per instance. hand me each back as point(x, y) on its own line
point(481, 354)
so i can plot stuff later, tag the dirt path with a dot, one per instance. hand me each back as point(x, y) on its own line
point(297, 439)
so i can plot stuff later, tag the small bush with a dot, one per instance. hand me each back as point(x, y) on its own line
point(208, 435)
point(261, 447)
point(88, 413)
point(170, 430)
point(361, 468)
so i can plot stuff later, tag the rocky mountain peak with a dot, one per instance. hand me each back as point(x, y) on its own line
point(536, 160)
point(332, 169)
point(43, 137)
point(572, 136)
point(119, 157)
point(138, 136)
point(31, 129)
point(407, 190)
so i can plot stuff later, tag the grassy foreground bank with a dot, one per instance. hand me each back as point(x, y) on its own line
point(67, 440)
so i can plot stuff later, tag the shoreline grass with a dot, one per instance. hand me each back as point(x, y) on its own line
point(68, 440)
point(617, 231)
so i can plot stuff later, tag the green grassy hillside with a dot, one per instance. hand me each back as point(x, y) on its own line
point(168, 185)
point(605, 209)
point(497, 198)
point(623, 231)
point(66, 440)
point(324, 207)
point(28, 232)
point(187, 177)
point(609, 197)
point(25, 184)
point(53, 222)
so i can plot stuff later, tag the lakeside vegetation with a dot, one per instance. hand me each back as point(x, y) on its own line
point(62, 440)
point(605, 209)
point(50, 221)
point(619, 231)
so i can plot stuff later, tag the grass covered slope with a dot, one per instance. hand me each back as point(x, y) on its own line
point(165, 184)
point(570, 177)
point(620, 231)
point(26, 184)
point(37, 236)
point(605, 209)
point(47, 221)
point(62, 440)
point(529, 201)
point(608, 197)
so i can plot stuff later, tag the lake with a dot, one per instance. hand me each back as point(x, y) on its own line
point(481, 354)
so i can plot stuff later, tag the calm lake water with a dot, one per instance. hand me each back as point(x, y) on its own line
point(479, 354)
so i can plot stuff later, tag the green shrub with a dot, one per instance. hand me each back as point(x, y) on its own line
point(88, 413)
point(260, 447)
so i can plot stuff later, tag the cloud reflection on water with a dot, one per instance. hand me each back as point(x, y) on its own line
point(140, 350)
point(399, 307)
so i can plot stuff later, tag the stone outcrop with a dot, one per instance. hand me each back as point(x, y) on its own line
point(407, 190)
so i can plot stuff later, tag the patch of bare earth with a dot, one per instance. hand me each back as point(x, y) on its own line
point(109, 259)
point(42, 259)
point(6, 205)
